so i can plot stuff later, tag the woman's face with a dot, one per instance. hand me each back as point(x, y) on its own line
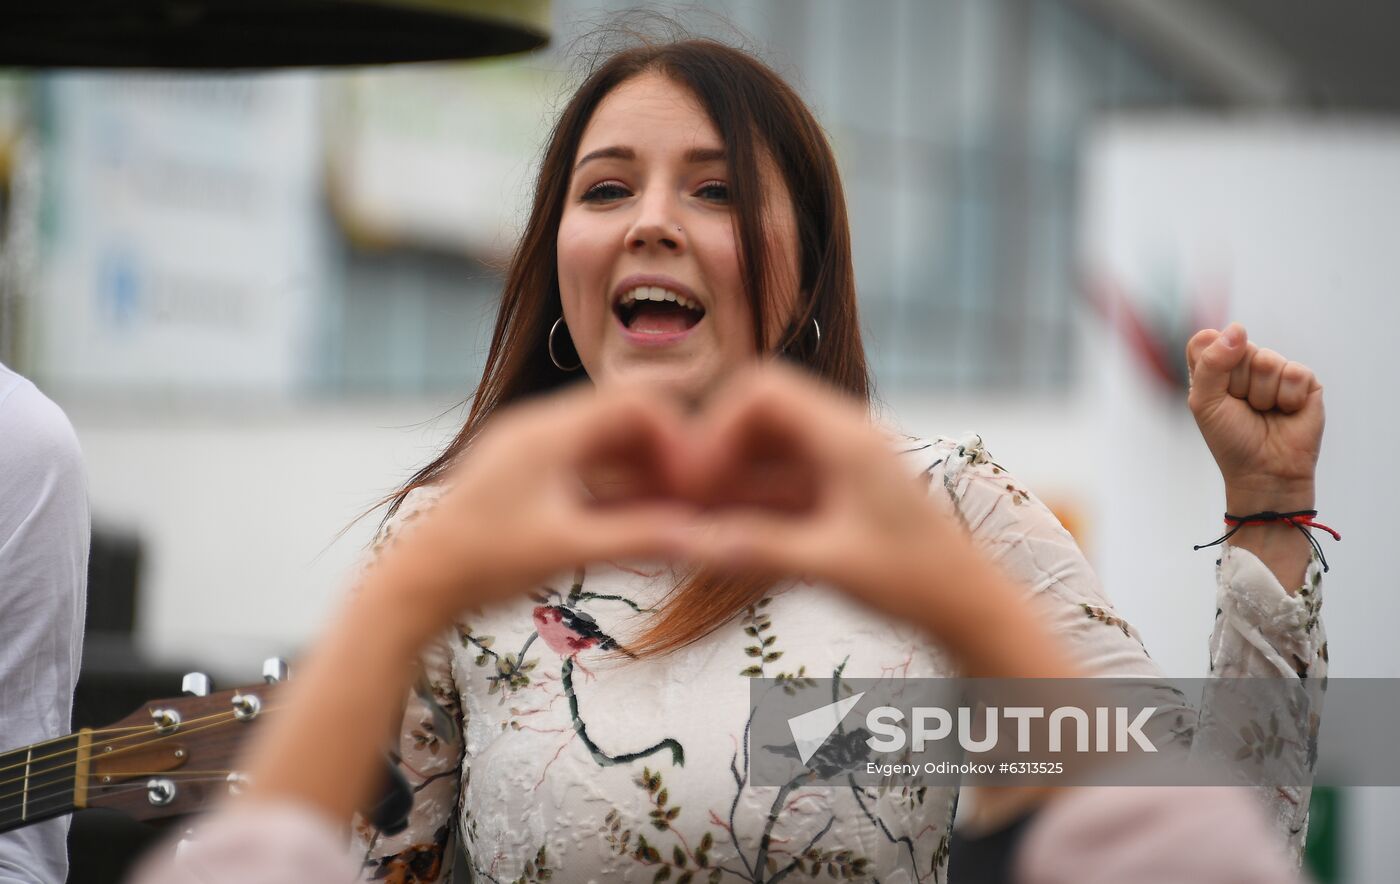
point(648, 254)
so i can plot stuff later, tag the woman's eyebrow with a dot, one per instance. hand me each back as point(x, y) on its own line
point(618, 152)
point(704, 154)
point(615, 152)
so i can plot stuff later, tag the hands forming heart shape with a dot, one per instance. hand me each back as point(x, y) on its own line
point(778, 475)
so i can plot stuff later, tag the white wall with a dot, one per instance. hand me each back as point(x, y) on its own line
point(239, 515)
point(1303, 220)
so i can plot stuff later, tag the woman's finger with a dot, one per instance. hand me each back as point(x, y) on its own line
point(1294, 386)
point(1214, 364)
point(623, 445)
point(1196, 346)
point(754, 437)
point(755, 541)
point(777, 420)
point(1265, 372)
point(1239, 377)
point(637, 531)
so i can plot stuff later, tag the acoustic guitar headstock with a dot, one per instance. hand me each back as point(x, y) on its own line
point(173, 756)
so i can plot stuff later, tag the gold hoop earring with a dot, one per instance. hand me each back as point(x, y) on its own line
point(555, 359)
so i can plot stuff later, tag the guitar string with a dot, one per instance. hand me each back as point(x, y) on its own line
point(69, 785)
point(43, 743)
point(134, 731)
point(180, 733)
point(141, 730)
point(65, 796)
point(138, 728)
point(185, 729)
point(95, 756)
point(180, 776)
point(69, 789)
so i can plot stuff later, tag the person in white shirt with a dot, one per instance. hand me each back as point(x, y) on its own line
point(44, 535)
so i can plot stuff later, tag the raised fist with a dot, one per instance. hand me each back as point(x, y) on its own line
point(1261, 417)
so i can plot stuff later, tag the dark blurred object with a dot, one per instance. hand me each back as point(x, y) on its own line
point(393, 802)
point(103, 845)
point(987, 858)
point(263, 33)
point(114, 566)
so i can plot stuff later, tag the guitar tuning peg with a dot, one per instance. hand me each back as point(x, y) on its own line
point(196, 684)
point(275, 670)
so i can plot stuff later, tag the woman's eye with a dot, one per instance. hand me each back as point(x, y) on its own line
point(604, 191)
point(714, 190)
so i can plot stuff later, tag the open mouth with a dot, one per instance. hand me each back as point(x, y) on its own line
point(652, 310)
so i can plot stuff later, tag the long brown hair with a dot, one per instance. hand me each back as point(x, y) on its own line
point(754, 110)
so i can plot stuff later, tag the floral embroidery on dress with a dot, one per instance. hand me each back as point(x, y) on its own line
point(1107, 618)
point(568, 631)
point(758, 625)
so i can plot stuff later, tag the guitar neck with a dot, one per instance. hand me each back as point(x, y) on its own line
point(43, 781)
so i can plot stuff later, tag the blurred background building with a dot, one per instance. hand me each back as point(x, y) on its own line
point(263, 298)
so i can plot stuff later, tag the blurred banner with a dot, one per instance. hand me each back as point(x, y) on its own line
point(439, 159)
point(180, 246)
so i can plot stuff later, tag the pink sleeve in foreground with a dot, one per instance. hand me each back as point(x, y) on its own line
point(269, 844)
point(1153, 835)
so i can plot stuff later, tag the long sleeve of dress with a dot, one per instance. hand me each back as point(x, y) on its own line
point(1260, 629)
point(429, 753)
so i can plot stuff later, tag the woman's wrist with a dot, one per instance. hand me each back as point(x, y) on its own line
point(340, 708)
point(1279, 545)
point(395, 620)
point(412, 598)
point(1283, 496)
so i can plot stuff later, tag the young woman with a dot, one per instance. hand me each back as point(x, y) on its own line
point(626, 549)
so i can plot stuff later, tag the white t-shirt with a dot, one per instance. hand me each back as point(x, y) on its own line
point(44, 536)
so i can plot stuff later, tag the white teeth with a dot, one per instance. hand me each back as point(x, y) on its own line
point(656, 293)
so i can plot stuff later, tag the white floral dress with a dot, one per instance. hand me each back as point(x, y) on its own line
point(558, 759)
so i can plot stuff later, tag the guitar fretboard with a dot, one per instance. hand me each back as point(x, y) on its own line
point(36, 782)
